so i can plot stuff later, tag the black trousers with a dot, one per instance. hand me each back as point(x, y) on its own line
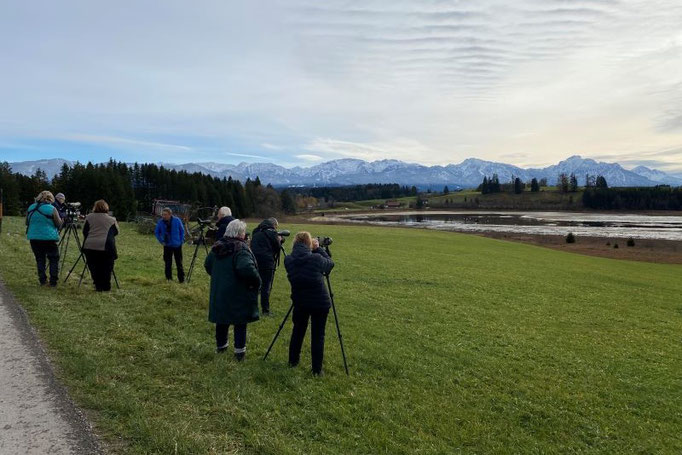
point(267, 277)
point(221, 335)
point(46, 250)
point(168, 253)
point(318, 320)
point(101, 264)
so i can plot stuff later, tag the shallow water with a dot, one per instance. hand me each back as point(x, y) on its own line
point(662, 227)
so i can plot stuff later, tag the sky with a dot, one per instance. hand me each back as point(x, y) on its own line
point(525, 82)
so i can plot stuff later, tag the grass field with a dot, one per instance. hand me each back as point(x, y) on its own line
point(456, 344)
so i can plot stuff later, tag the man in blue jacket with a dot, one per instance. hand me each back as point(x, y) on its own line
point(171, 234)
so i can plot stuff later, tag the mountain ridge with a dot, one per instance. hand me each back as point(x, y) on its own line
point(350, 171)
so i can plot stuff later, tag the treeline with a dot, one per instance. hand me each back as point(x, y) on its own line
point(132, 188)
point(356, 192)
point(565, 183)
point(517, 186)
point(661, 197)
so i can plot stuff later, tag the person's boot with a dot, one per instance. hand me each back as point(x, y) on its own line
point(239, 356)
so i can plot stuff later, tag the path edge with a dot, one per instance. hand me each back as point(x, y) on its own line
point(82, 436)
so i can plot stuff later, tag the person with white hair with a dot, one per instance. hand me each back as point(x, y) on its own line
point(235, 283)
point(42, 230)
point(60, 204)
point(224, 218)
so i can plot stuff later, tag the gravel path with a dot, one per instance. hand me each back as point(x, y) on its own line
point(36, 414)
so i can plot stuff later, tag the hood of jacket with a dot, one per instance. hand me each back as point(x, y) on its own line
point(300, 250)
point(228, 246)
point(265, 225)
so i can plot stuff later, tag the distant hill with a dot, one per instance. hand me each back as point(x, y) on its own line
point(467, 174)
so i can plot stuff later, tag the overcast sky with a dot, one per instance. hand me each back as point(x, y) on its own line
point(527, 82)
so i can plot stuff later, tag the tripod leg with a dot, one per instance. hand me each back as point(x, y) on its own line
point(203, 240)
point(74, 266)
point(113, 272)
point(85, 267)
point(191, 266)
point(65, 245)
point(281, 326)
point(338, 328)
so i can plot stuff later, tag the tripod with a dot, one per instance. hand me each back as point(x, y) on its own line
point(336, 319)
point(200, 241)
point(70, 231)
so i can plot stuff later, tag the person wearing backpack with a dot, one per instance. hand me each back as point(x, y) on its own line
point(42, 231)
point(235, 283)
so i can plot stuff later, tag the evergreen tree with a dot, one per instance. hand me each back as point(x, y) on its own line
point(534, 185)
point(573, 183)
point(518, 186)
point(563, 183)
point(288, 203)
point(601, 182)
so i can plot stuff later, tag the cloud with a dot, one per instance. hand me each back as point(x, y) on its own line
point(123, 142)
point(269, 146)
point(422, 81)
point(408, 150)
point(309, 157)
point(245, 155)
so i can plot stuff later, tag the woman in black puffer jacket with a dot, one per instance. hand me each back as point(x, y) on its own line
point(306, 267)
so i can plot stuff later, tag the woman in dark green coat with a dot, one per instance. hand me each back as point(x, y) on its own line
point(235, 283)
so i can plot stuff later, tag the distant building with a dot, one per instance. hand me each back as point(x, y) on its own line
point(393, 204)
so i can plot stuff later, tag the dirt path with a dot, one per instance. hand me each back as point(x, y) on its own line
point(36, 415)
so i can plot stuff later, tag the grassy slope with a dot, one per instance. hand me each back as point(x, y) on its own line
point(547, 199)
point(455, 343)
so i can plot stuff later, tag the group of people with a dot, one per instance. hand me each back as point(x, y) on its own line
point(241, 271)
point(44, 219)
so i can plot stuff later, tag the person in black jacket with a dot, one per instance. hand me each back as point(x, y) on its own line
point(307, 266)
point(224, 218)
point(266, 246)
point(59, 204)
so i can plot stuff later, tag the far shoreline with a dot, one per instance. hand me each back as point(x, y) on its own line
point(645, 250)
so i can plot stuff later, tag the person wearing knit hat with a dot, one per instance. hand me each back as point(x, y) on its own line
point(59, 204)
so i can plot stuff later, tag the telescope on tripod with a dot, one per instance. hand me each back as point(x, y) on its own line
point(203, 227)
point(324, 243)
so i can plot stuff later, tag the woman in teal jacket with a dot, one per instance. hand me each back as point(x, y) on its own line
point(235, 283)
point(42, 230)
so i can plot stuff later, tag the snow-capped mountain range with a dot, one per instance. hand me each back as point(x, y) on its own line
point(469, 173)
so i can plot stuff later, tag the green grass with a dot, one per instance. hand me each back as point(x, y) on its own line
point(456, 344)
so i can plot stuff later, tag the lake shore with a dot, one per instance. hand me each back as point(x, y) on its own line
point(645, 250)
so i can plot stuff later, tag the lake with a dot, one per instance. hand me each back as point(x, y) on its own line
point(619, 225)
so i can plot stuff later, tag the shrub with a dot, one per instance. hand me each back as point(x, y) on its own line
point(570, 238)
point(146, 226)
point(631, 242)
point(608, 243)
point(615, 245)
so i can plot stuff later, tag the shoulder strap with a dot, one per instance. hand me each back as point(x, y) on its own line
point(30, 214)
